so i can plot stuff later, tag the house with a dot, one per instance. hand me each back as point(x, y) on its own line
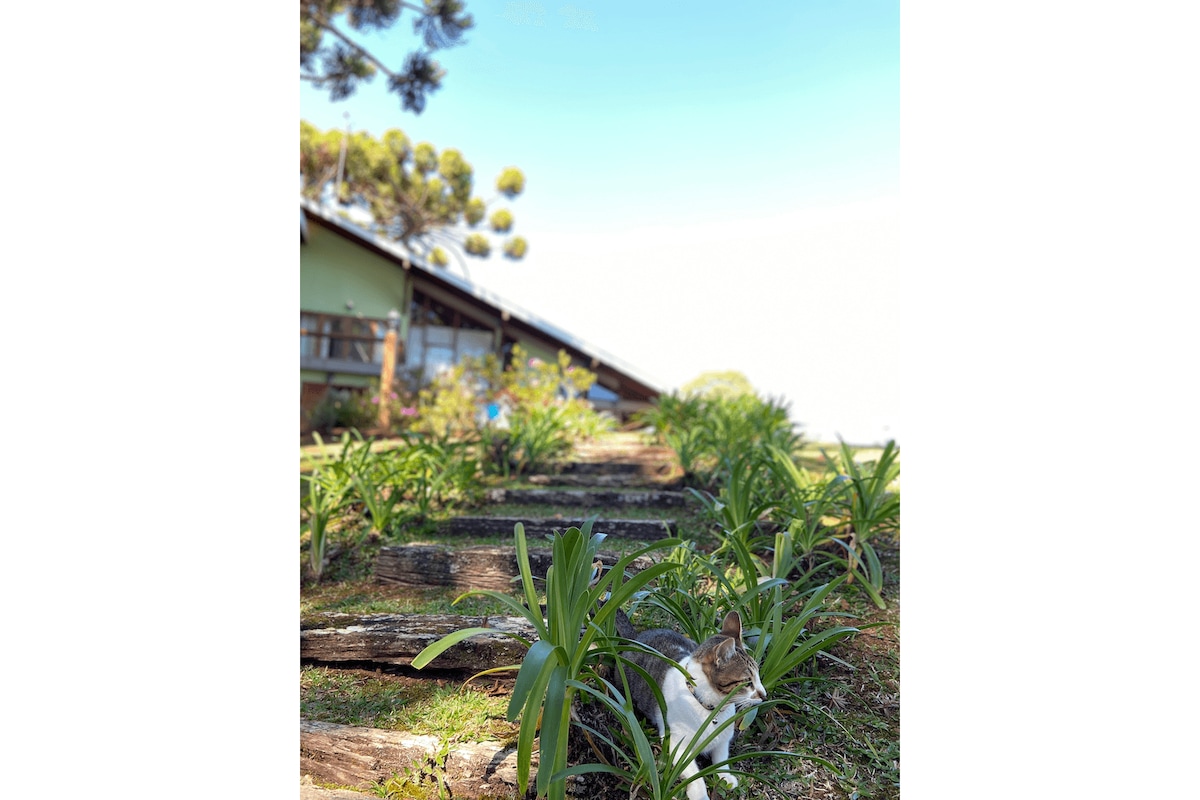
point(353, 282)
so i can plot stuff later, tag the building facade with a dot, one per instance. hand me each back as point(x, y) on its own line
point(353, 285)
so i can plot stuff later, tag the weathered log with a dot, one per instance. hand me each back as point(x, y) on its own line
point(585, 499)
point(398, 638)
point(422, 566)
point(354, 756)
point(648, 530)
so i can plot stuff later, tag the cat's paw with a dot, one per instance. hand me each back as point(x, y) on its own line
point(730, 780)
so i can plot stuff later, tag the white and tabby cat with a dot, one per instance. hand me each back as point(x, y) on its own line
point(718, 666)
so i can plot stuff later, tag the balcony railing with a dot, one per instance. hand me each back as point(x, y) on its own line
point(338, 343)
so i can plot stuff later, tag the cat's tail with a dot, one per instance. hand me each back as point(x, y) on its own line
point(624, 626)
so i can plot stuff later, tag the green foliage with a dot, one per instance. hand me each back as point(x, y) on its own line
point(476, 244)
point(781, 583)
point(744, 497)
point(869, 506)
point(783, 641)
point(339, 63)
point(718, 385)
point(577, 647)
point(746, 422)
point(343, 408)
point(581, 600)
point(511, 182)
point(696, 594)
point(415, 195)
point(692, 595)
point(805, 506)
point(535, 436)
point(544, 410)
point(438, 473)
point(708, 434)
point(738, 455)
point(501, 221)
point(648, 769)
point(515, 248)
point(325, 499)
point(676, 421)
point(359, 409)
point(448, 408)
point(402, 484)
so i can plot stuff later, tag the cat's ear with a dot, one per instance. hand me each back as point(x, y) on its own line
point(732, 627)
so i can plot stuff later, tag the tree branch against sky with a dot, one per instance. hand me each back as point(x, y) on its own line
point(414, 195)
point(344, 64)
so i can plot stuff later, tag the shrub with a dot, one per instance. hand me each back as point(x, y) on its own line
point(343, 408)
point(523, 417)
point(581, 600)
point(710, 433)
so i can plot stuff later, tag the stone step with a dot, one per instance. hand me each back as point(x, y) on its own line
point(363, 757)
point(626, 480)
point(582, 498)
point(607, 468)
point(643, 529)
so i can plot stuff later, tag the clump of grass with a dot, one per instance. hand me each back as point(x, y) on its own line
point(367, 596)
point(350, 698)
point(385, 702)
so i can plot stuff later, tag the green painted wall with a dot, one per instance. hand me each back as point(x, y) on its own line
point(313, 376)
point(332, 271)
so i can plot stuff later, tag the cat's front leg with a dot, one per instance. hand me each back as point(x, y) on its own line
point(720, 752)
point(696, 790)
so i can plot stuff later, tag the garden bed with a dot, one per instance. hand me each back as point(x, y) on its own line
point(380, 603)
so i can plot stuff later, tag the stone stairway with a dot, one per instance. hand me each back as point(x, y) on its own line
point(604, 480)
point(601, 480)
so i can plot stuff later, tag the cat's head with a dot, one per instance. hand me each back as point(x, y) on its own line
point(726, 665)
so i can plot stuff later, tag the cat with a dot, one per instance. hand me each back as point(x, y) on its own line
point(718, 666)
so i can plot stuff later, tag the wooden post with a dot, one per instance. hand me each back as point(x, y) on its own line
point(387, 374)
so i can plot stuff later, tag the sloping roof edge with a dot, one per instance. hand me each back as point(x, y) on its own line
point(400, 254)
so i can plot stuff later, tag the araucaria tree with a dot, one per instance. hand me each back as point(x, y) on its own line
point(330, 58)
point(415, 195)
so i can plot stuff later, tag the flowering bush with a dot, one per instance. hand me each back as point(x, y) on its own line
point(402, 408)
point(523, 415)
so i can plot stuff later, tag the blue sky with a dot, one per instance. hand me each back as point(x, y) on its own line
point(706, 189)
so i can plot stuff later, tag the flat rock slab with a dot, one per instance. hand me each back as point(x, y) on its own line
point(631, 480)
point(355, 756)
point(424, 566)
point(609, 468)
point(589, 499)
point(398, 638)
point(648, 530)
